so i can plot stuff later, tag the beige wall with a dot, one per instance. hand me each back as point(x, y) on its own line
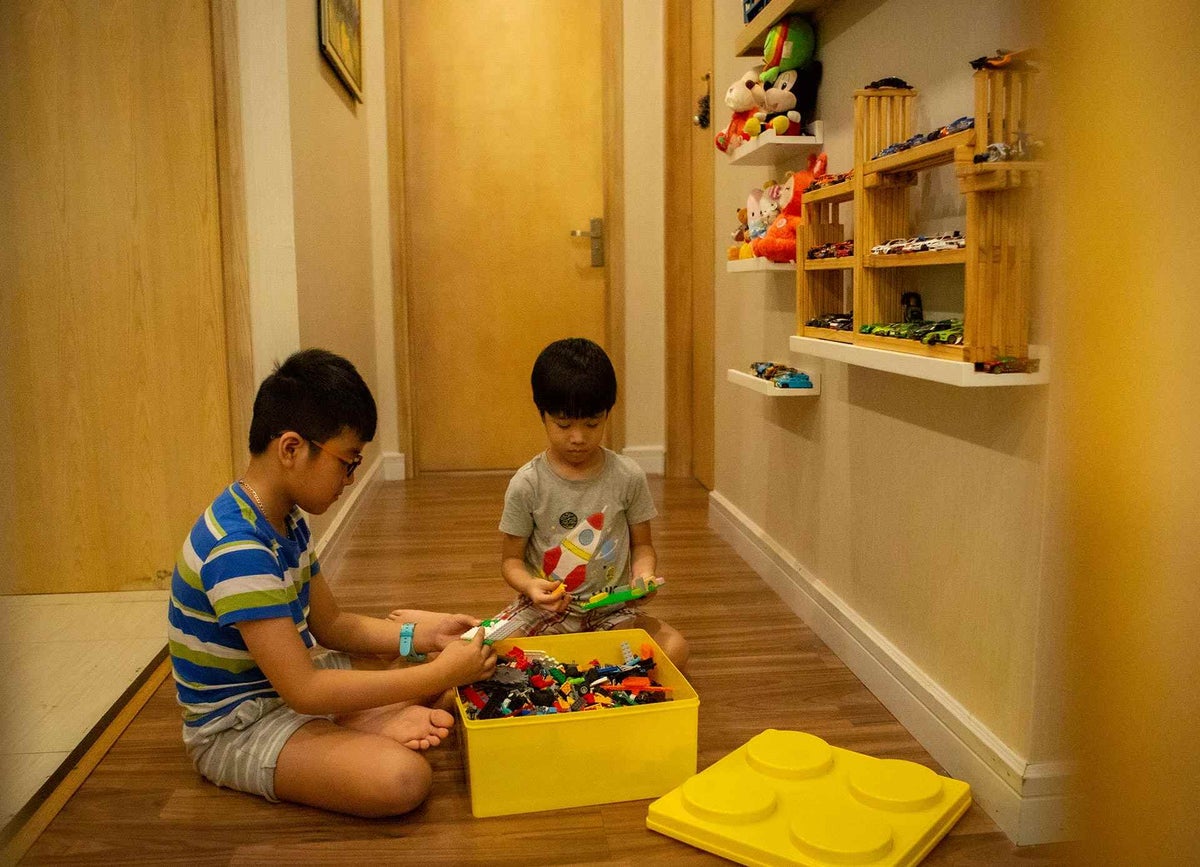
point(643, 392)
point(311, 201)
point(920, 505)
point(333, 206)
point(332, 200)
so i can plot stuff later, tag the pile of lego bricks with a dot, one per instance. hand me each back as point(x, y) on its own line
point(532, 682)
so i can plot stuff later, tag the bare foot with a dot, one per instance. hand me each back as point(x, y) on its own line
point(419, 728)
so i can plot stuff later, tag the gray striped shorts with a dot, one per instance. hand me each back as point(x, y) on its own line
point(240, 749)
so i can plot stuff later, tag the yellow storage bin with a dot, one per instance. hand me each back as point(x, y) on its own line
point(531, 763)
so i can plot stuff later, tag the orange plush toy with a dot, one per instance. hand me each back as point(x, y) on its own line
point(779, 242)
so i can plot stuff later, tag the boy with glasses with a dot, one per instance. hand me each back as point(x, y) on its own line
point(273, 703)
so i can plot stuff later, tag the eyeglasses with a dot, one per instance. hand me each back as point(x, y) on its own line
point(350, 466)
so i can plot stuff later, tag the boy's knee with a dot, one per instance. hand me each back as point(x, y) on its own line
point(402, 785)
point(674, 645)
point(677, 652)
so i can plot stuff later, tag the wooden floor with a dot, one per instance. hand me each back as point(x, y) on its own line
point(433, 543)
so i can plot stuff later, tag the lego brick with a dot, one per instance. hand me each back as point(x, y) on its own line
point(787, 797)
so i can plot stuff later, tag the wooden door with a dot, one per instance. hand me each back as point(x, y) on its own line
point(115, 418)
point(502, 159)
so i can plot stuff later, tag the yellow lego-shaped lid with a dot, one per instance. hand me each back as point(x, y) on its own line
point(787, 797)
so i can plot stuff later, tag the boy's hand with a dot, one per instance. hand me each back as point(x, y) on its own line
point(549, 595)
point(465, 662)
point(449, 628)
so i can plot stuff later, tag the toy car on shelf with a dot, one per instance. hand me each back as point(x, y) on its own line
point(770, 369)
point(921, 244)
point(1003, 59)
point(835, 321)
point(958, 125)
point(1024, 147)
point(893, 246)
point(793, 380)
point(890, 81)
point(951, 241)
point(1008, 364)
point(829, 181)
point(996, 152)
point(917, 330)
point(833, 250)
point(952, 336)
point(899, 146)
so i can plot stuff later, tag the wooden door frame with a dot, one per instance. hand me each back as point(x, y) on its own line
point(688, 240)
point(231, 199)
point(612, 163)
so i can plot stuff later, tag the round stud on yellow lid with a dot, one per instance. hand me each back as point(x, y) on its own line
point(899, 786)
point(728, 799)
point(844, 836)
point(789, 755)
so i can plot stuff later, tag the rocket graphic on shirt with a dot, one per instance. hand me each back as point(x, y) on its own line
point(567, 562)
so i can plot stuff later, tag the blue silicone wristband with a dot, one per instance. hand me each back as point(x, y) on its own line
point(406, 643)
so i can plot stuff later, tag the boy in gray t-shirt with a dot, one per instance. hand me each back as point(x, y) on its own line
point(576, 518)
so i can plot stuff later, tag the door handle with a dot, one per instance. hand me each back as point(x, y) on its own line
point(704, 103)
point(596, 233)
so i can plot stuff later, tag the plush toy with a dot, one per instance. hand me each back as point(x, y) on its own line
point(740, 235)
point(762, 206)
point(741, 97)
point(769, 205)
point(755, 225)
point(778, 243)
point(790, 44)
point(778, 107)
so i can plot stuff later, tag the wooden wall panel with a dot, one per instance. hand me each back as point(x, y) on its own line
point(113, 325)
point(689, 254)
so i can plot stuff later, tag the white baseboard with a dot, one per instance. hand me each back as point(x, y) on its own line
point(366, 478)
point(1030, 802)
point(394, 469)
point(652, 459)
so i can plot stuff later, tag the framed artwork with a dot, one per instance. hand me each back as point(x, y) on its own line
point(339, 24)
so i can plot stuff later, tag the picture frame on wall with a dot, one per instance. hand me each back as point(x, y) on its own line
point(339, 24)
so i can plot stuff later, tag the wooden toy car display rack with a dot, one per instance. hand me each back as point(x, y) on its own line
point(996, 258)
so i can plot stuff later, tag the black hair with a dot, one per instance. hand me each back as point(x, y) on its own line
point(315, 393)
point(575, 378)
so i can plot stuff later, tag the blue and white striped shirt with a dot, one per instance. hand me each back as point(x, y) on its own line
point(234, 566)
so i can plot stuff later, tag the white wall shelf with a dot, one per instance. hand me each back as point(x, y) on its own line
point(757, 264)
point(768, 149)
point(762, 386)
point(957, 373)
